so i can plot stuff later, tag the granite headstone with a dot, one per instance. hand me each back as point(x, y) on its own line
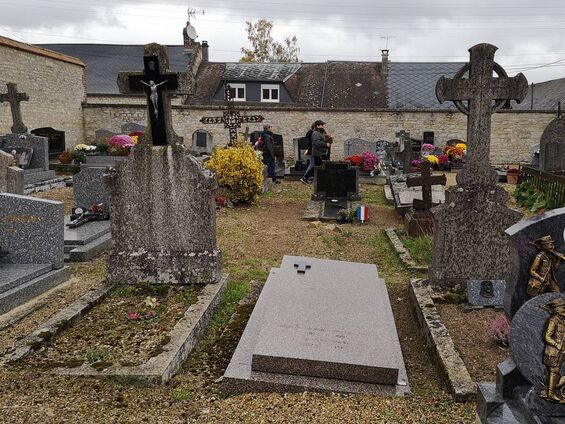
point(552, 146)
point(90, 188)
point(336, 180)
point(356, 146)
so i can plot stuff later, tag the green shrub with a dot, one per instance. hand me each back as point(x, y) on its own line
point(534, 200)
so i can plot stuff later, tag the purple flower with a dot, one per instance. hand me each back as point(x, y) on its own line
point(123, 141)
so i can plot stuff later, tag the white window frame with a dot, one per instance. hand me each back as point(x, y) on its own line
point(271, 87)
point(235, 87)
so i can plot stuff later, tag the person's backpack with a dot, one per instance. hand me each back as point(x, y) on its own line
point(259, 143)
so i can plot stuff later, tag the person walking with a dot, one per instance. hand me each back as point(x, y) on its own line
point(318, 149)
point(269, 152)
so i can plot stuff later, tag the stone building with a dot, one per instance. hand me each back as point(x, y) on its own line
point(55, 84)
point(370, 100)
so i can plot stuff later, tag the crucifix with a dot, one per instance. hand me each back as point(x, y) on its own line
point(426, 181)
point(157, 83)
point(14, 98)
point(231, 118)
point(485, 95)
point(406, 144)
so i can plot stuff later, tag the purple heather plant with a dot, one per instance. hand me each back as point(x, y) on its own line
point(499, 330)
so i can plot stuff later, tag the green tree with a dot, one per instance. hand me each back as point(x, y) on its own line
point(264, 48)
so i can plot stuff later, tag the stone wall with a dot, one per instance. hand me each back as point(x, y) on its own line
point(55, 87)
point(513, 132)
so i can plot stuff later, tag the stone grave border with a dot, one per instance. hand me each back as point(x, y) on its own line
point(158, 369)
point(451, 366)
point(405, 257)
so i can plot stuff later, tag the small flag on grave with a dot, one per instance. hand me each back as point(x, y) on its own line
point(362, 213)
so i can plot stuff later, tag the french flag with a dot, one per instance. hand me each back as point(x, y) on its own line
point(362, 213)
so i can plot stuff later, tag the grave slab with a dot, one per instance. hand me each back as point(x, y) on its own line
point(404, 196)
point(320, 329)
point(87, 241)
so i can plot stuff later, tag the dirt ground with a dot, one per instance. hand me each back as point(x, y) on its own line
point(252, 239)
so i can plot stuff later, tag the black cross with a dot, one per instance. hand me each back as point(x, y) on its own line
point(404, 136)
point(302, 267)
point(14, 98)
point(231, 118)
point(426, 181)
point(157, 83)
point(480, 89)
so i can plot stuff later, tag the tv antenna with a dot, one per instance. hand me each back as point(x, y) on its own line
point(387, 38)
point(192, 12)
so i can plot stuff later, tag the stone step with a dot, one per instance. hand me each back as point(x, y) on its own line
point(24, 292)
point(13, 275)
point(87, 252)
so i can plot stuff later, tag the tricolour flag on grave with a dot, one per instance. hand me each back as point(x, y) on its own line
point(362, 213)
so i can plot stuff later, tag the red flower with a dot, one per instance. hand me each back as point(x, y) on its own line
point(355, 160)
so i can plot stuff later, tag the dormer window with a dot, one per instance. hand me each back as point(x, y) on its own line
point(270, 93)
point(237, 92)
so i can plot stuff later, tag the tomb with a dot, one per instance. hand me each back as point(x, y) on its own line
point(320, 325)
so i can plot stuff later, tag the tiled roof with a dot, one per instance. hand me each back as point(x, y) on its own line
point(411, 85)
point(259, 71)
point(105, 61)
point(546, 96)
point(208, 80)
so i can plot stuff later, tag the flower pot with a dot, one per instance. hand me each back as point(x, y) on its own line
point(512, 177)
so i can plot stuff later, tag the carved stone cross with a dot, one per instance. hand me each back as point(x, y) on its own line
point(485, 95)
point(426, 181)
point(157, 83)
point(14, 98)
point(407, 152)
point(231, 118)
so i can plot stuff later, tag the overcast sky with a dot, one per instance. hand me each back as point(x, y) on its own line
point(529, 34)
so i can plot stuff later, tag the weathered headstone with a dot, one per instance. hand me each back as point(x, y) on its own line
point(162, 202)
point(90, 188)
point(38, 169)
point(11, 177)
point(231, 118)
point(356, 146)
point(469, 241)
point(405, 149)
point(132, 127)
point(102, 134)
point(202, 142)
point(14, 98)
point(31, 233)
point(295, 342)
point(526, 247)
point(418, 219)
point(552, 147)
point(55, 138)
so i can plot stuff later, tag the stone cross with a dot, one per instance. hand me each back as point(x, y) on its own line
point(14, 98)
point(426, 181)
point(157, 83)
point(480, 89)
point(302, 267)
point(407, 152)
point(231, 118)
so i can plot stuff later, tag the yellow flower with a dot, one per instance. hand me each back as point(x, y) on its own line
point(135, 138)
point(462, 146)
point(433, 159)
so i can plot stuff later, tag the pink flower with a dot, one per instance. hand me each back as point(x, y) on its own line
point(427, 147)
point(123, 141)
point(134, 316)
point(370, 161)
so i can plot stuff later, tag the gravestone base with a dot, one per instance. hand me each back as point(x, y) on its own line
point(418, 223)
point(469, 240)
point(326, 210)
point(36, 175)
point(22, 282)
point(294, 342)
point(87, 241)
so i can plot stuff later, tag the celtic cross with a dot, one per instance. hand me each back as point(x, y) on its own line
point(485, 95)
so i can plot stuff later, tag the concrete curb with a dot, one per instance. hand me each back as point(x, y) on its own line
point(65, 318)
point(184, 336)
point(451, 366)
point(402, 252)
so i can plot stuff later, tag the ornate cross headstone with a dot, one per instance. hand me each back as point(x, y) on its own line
point(469, 241)
point(157, 83)
point(14, 98)
point(231, 118)
point(404, 137)
point(480, 89)
point(426, 180)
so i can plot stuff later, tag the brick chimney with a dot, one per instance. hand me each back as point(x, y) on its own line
point(205, 56)
point(384, 63)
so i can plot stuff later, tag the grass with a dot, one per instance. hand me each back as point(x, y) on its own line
point(97, 355)
point(180, 394)
point(420, 248)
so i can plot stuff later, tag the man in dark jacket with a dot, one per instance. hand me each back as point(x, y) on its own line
point(269, 152)
point(317, 151)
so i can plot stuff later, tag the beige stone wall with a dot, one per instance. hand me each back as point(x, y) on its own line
point(55, 89)
point(513, 133)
